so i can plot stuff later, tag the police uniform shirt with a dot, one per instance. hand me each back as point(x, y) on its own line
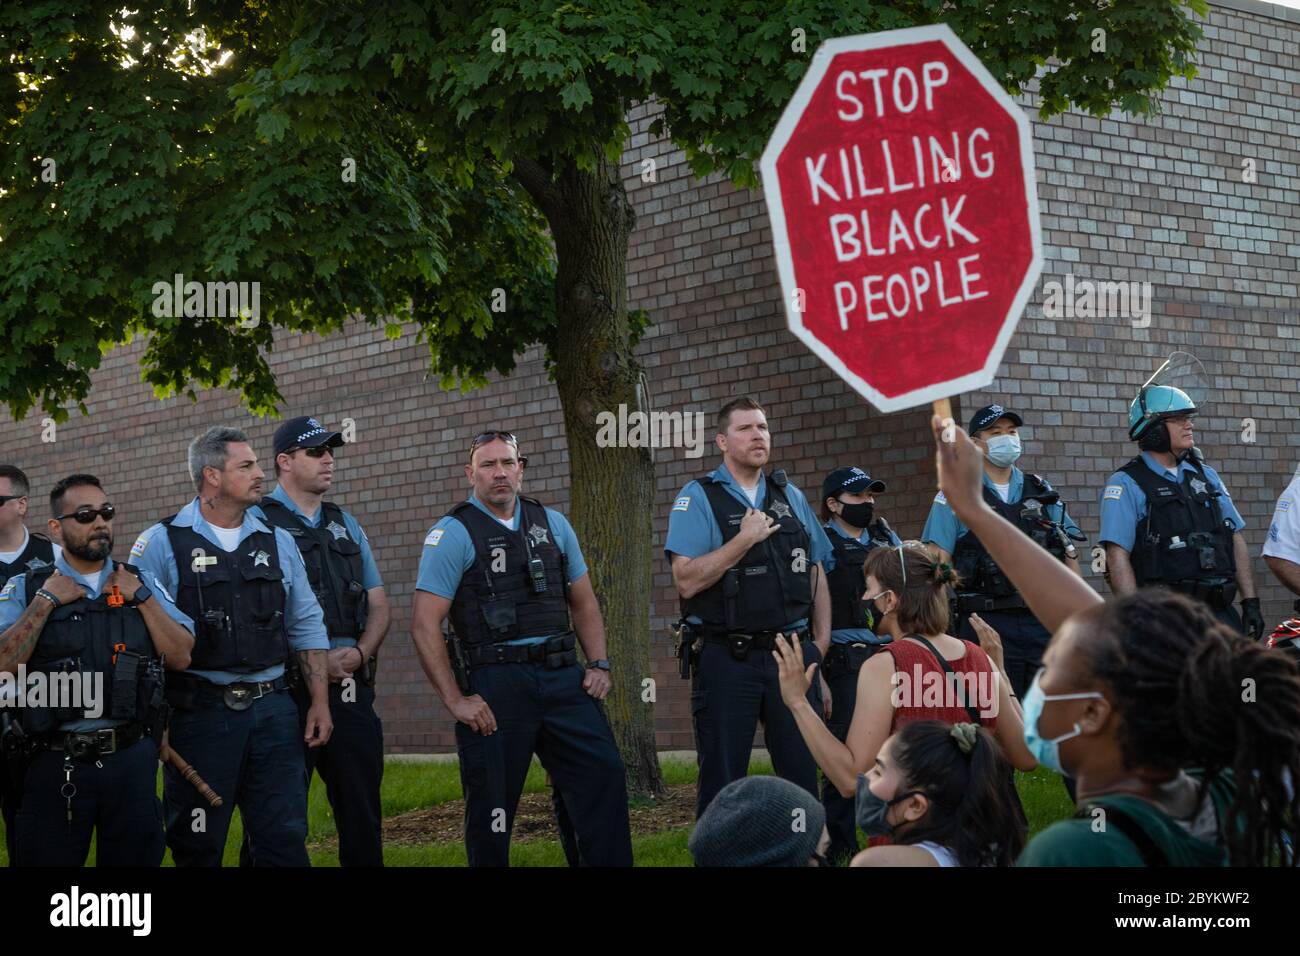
point(942, 528)
point(369, 571)
point(13, 601)
point(449, 553)
point(1284, 532)
point(304, 621)
point(1123, 505)
point(853, 635)
point(693, 530)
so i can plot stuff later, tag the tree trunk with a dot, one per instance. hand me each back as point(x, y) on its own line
point(612, 488)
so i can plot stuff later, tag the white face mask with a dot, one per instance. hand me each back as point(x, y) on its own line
point(1003, 450)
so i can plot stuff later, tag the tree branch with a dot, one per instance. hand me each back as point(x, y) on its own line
point(536, 181)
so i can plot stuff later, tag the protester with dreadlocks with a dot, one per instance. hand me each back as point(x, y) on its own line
point(1182, 735)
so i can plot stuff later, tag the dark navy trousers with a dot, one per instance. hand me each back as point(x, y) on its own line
point(728, 699)
point(253, 760)
point(352, 768)
point(116, 797)
point(545, 712)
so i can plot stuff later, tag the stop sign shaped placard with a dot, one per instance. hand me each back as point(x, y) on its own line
point(900, 183)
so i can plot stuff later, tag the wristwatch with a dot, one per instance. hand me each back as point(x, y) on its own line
point(600, 665)
point(142, 594)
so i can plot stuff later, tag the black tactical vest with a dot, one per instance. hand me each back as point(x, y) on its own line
point(237, 603)
point(38, 553)
point(771, 587)
point(517, 587)
point(83, 637)
point(1184, 536)
point(979, 572)
point(845, 579)
point(333, 562)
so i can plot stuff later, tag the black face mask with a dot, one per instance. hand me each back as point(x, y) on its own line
point(859, 515)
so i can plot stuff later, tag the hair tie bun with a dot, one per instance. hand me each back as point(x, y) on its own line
point(965, 735)
point(944, 572)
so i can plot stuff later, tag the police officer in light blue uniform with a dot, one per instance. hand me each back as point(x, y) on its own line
point(509, 575)
point(1027, 501)
point(1168, 520)
point(91, 763)
point(342, 572)
point(848, 510)
point(245, 586)
point(747, 556)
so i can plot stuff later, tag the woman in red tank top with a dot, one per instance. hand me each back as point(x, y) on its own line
point(906, 681)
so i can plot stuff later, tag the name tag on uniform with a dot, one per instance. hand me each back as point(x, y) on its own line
point(682, 503)
point(1112, 493)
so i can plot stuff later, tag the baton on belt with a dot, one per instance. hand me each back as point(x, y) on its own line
point(189, 773)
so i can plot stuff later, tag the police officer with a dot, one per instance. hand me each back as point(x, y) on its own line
point(747, 554)
point(19, 552)
point(848, 513)
point(245, 585)
point(346, 582)
point(1027, 501)
point(1167, 519)
point(510, 576)
point(92, 749)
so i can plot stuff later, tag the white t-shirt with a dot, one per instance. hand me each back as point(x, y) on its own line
point(1283, 539)
point(228, 537)
point(94, 580)
point(750, 493)
point(942, 855)
point(9, 557)
point(1004, 492)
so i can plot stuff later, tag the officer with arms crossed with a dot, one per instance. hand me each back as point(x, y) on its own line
point(92, 762)
point(1167, 519)
point(848, 510)
point(19, 552)
point(510, 576)
point(245, 586)
point(346, 582)
point(747, 555)
point(1028, 502)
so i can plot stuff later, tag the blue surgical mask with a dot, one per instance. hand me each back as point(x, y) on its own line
point(1004, 450)
point(1047, 752)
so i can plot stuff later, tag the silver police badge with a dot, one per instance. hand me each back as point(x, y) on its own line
point(538, 534)
point(781, 509)
point(337, 530)
point(1198, 486)
point(35, 563)
point(260, 559)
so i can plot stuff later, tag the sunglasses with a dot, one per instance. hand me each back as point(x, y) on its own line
point(485, 437)
point(87, 515)
point(316, 451)
point(5, 499)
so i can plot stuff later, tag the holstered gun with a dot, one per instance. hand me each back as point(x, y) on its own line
point(687, 648)
point(459, 661)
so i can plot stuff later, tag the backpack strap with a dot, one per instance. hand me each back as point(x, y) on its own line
point(1151, 854)
point(947, 669)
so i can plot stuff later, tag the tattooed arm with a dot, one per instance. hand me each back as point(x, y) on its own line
point(18, 641)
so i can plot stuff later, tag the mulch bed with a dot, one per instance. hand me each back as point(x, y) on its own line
point(534, 820)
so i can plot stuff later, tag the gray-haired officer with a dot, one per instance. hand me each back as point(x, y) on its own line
point(346, 581)
point(746, 553)
point(20, 551)
point(245, 586)
point(854, 529)
point(1030, 503)
point(510, 576)
point(92, 758)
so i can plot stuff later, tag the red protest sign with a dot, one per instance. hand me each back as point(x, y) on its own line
point(900, 184)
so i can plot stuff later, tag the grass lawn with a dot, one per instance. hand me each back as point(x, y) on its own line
point(410, 786)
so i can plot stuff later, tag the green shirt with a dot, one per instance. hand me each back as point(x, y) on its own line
point(1089, 841)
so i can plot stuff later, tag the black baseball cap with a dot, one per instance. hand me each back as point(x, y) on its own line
point(849, 479)
point(304, 432)
point(989, 414)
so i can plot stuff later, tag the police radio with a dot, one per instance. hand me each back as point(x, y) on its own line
point(537, 571)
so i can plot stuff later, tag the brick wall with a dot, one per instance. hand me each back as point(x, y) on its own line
point(1161, 201)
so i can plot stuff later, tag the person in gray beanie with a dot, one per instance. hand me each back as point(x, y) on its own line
point(761, 821)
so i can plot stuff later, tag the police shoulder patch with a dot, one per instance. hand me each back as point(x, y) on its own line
point(433, 538)
point(1112, 493)
point(939, 499)
point(682, 503)
point(8, 588)
point(141, 543)
point(1284, 505)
